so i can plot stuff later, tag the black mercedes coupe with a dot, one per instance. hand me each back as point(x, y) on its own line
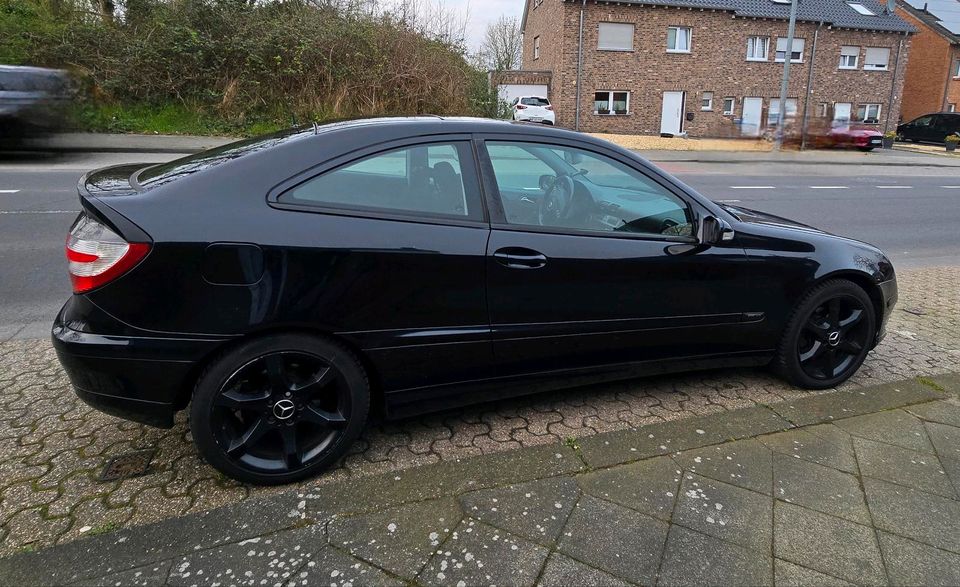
point(285, 287)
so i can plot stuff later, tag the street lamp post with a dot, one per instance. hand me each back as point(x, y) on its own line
point(781, 115)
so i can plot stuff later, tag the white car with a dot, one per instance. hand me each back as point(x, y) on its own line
point(533, 109)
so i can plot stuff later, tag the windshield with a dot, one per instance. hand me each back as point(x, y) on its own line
point(167, 172)
point(535, 101)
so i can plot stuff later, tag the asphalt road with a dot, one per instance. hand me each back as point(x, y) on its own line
point(913, 213)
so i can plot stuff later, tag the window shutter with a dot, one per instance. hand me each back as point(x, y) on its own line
point(617, 36)
point(877, 58)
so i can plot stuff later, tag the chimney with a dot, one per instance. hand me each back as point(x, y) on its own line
point(891, 6)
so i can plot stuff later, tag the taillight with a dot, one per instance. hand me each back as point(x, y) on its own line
point(96, 255)
point(521, 107)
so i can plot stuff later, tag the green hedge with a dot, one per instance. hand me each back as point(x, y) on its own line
point(229, 65)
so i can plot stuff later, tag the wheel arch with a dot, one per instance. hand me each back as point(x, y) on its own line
point(185, 393)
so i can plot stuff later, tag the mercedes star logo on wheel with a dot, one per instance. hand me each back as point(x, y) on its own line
point(283, 409)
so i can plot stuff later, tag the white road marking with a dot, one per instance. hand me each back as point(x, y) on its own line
point(829, 187)
point(753, 187)
point(894, 187)
point(8, 191)
point(951, 187)
point(39, 211)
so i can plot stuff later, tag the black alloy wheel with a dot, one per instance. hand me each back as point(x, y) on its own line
point(832, 338)
point(282, 412)
point(828, 337)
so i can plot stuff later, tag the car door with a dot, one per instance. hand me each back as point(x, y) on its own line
point(618, 278)
point(397, 270)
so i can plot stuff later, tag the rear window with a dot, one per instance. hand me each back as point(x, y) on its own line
point(167, 172)
point(535, 101)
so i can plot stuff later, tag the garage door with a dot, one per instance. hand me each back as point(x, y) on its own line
point(510, 91)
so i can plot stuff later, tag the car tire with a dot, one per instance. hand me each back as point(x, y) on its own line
point(828, 336)
point(865, 149)
point(279, 409)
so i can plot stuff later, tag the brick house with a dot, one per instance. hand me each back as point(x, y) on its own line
point(933, 72)
point(713, 67)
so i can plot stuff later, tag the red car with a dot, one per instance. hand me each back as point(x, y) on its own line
point(824, 136)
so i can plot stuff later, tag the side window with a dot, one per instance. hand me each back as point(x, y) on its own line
point(563, 187)
point(435, 179)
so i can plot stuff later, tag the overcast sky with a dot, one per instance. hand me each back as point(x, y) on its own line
point(481, 13)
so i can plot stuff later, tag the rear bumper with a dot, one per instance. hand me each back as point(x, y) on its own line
point(138, 378)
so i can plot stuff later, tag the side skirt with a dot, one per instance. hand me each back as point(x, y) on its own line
point(405, 403)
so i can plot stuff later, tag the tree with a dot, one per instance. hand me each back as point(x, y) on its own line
point(502, 46)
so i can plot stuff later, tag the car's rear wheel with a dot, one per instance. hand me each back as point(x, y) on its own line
point(279, 409)
point(828, 336)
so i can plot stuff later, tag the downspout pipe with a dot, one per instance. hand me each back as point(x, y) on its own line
point(893, 87)
point(806, 100)
point(576, 125)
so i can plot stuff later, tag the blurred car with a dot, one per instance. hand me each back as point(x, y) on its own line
point(930, 128)
point(831, 134)
point(533, 109)
point(33, 103)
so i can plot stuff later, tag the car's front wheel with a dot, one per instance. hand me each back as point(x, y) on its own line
point(279, 409)
point(828, 336)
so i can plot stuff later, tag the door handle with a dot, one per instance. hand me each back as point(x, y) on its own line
point(520, 258)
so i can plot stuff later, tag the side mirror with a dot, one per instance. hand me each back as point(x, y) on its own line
point(713, 231)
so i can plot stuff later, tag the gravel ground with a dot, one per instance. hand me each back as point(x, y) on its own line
point(53, 447)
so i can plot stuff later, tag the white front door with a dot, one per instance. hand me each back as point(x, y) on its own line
point(752, 115)
point(671, 117)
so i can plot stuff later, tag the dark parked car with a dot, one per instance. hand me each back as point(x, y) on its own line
point(930, 128)
point(285, 286)
point(33, 103)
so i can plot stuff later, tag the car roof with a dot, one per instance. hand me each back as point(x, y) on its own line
point(425, 125)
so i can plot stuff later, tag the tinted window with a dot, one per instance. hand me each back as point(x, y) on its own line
point(535, 101)
point(433, 180)
point(565, 187)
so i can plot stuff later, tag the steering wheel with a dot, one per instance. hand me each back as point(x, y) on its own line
point(556, 202)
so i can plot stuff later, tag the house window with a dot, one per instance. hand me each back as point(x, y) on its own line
point(757, 48)
point(877, 58)
point(849, 57)
point(869, 113)
point(796, 55)
point(615, 36)
point(773, 114)
point(956, 68)
point(611, 102)
point(729, 105)
point(951, 107)
point(823, 110)
point(706, 101)
point(537, 3)
point(536, 47)
point(678, 39)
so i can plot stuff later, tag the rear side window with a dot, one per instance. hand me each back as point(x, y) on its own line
point(429, 180)
point(535, 102)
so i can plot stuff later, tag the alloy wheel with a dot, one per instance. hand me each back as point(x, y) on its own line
point(833, 337)
point(281, 412)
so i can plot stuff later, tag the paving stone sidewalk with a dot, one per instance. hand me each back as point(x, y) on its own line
point(856, 487)
point(53, 447)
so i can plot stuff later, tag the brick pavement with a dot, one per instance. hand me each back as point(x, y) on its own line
point(861, 486)
point(52, 447)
